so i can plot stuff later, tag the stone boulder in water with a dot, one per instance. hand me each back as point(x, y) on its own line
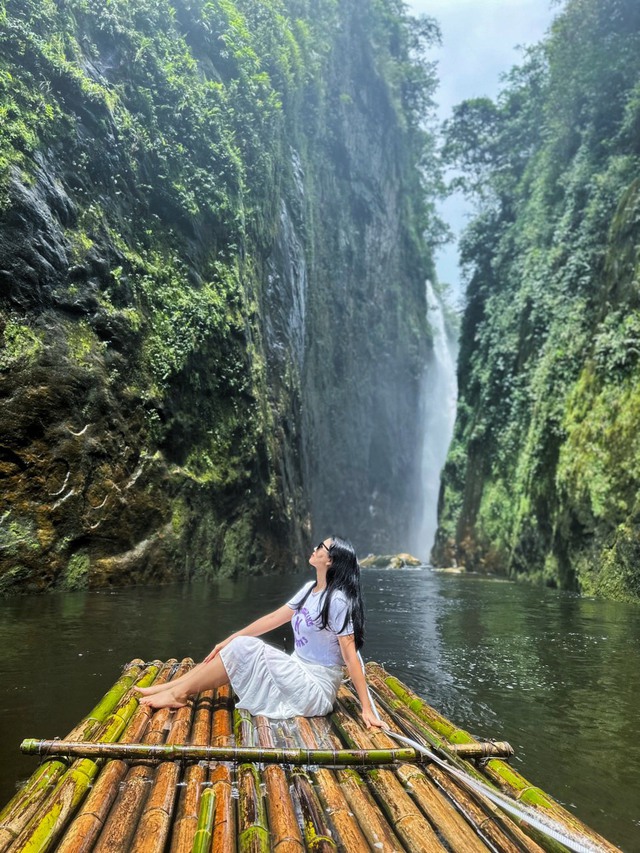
point(390, 561)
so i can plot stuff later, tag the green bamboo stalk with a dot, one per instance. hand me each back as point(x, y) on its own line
point(41, 785)
point(45, 827)
point(47, 775)
point(88, 822)
point(86, 729)
point(174, 752)
point(204, 829)
point(253, 831)
point(497, 770)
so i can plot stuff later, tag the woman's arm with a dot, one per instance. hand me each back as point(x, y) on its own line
point(352, 661)
point(255, 629)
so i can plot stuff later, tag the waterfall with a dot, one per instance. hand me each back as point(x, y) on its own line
point(438, 406)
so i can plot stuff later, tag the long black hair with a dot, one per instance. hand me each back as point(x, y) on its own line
point(343, 574)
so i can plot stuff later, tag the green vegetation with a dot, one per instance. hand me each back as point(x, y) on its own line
point(174, 158)
point(76, 573)
point(542, 479)
point(21, 344)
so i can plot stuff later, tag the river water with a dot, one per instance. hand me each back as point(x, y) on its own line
point(556, 675)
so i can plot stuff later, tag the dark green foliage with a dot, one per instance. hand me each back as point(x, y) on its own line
point(549, 365)
point(152, 157)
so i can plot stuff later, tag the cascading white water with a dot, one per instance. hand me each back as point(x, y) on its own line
point(439, 397)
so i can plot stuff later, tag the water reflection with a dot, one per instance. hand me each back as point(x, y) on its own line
point(556, 675)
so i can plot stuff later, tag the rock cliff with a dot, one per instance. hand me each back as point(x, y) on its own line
point(542, 479)
point(212, 301)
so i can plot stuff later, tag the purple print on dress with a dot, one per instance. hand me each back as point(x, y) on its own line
point(302, 616)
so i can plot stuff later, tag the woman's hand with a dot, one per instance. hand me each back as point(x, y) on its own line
point(216, 649)
point(255, 629)
point(370, 719)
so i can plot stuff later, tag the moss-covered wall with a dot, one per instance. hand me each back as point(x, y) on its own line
point(211, 269)
point(367, 341)
point(542, 480)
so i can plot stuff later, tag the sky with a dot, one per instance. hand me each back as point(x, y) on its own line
point(480, 40)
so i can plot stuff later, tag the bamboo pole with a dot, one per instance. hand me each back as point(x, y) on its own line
point(347, 831)
point(380, 836)
point(502, 832)
point(503, 829)
point(483, 749)
point(446, 819)
point(283, 825)
point(491, 821)
point(19, 810)
point(186, 824)
point(403, 814)
point(191, 752)
point(224, 822)
point(87, 825)
point(155, 822)
point(253, 831)
point(47, 824)
point(432, 739)
point(440, 812)
point(496, 769)
point(317, 835)
point(121, 823)
point(204, 830)
point(86, 729)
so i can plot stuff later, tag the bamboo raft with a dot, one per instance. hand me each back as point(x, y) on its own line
point(210, 777)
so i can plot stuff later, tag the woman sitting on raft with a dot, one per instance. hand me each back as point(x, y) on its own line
point(328, 625)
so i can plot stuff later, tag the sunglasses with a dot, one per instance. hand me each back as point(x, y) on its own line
point(321, 545)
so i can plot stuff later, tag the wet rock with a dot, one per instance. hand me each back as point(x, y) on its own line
point(390, 561)
point(189, 373)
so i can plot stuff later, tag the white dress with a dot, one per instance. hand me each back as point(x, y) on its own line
point(270, 682)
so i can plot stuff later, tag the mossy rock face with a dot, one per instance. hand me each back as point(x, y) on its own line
point(184, 230)
point(76, 573)
point(543, 473)
point(392, 561)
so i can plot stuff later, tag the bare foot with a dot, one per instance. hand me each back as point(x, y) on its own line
point(149, 691)
point(165, 699)
point(160, 688)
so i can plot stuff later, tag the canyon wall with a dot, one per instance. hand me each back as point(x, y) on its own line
point(212, 264)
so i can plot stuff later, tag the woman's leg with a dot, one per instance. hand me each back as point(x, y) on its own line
point(160, 688)
point(205, 676)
